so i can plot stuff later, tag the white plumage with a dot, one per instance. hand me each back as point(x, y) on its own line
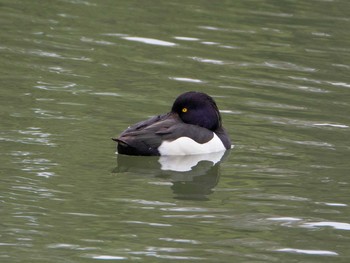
point(187, 146)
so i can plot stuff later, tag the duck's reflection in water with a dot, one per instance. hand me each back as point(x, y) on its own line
point(192, 176)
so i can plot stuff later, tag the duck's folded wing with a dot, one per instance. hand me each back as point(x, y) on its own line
point(142, 138)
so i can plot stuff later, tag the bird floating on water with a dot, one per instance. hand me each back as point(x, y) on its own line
point(193, 126)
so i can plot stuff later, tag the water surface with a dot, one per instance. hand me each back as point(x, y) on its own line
point(76, 73)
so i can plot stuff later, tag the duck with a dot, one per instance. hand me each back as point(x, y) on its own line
point(193, 126)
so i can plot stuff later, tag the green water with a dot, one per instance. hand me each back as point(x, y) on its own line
point(75, 73)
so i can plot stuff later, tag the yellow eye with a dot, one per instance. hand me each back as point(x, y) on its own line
point(184, 109)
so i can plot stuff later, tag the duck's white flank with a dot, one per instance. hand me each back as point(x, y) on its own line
point(187, 146)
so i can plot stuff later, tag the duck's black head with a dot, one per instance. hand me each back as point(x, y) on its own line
point(199, 109)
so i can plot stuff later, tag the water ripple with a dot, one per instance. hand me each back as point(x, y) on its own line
point(340, 84)
point(113, 94)
point(209, 61)
point(146, 202)
point(187, 38)
point(177, 240)
point(108, 257)
point(33, 135)
point(100, 42)
point(311, 143)
point(151, 41)
point(287, 66)
point(308, 251)
point(187, 79)
point(301, 123)
point(60, 86)
point(48, 54)
point(333, 125)
point(47, 114)
point(335, 225)
point(147, 223)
